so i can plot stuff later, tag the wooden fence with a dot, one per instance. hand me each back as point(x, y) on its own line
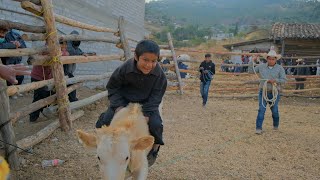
point(48, 33)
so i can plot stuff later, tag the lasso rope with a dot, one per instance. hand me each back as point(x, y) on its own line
point(265, 97)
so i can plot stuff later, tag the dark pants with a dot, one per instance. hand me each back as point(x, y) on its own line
point(204, 91)
point(300, 85)
point(155, 123)
point(73, 94)
point(38, 94)
point(262, 110)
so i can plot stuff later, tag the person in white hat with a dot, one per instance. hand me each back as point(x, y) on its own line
point(301, 71)
point(272, 75)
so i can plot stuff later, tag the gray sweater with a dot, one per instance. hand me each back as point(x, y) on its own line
point(266, 73)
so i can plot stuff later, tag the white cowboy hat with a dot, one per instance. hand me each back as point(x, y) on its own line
point(183, 57)
point(299, 60)
point(272, 53)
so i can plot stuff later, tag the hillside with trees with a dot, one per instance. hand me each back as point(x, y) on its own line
point(196, 20)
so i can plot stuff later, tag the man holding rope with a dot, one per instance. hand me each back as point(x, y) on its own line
point(271, 75)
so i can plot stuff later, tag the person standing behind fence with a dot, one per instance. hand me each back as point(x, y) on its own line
point(69, 69)
point(301, 71)
point(271, 76)
point(207, 70)
point(12, 36)
point(11, 40)
point(39, 73)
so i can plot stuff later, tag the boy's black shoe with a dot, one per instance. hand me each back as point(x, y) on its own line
point(152, 156)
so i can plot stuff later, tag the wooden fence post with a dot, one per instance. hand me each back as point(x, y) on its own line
point(174, 57)
point(57, 69)
point(123, 40)
point(6, 128)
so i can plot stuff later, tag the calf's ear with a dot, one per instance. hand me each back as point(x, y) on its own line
point(143, 143)
point(89, 140)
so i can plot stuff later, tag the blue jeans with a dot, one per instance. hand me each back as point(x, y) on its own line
point(204, 90)
point(262, 110)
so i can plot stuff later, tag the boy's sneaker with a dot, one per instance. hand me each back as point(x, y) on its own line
point(258, 131)
point(276, 128)
point(152, 156)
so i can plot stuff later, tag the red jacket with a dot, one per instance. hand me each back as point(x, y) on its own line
point(41, 72)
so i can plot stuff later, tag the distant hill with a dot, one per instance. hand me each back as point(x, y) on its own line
point(229, 12)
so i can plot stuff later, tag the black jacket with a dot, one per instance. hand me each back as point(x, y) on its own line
point(209, 66)
point(128, 84)
point(74, 50)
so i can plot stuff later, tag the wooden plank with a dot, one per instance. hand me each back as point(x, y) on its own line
point(57, 69)
point(6, 128)
point(71, 37)
point(174, 57)
point(37, 10)
point(123, 40)
point(44, 133)
point(42, 60)
point(20, 26)
point(21, 52)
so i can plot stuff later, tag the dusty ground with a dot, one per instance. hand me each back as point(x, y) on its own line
point(216, 142)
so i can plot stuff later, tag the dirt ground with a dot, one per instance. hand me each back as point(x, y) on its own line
point(216, 142)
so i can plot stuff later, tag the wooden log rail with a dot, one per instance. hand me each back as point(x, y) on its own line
point(21, 52)
point(57, 68)
point(250, 82)
point(37, 105)
point(49, 83)
point(220, 52)
point(246, 65)
point(307, 77)
point(164, 46)
point(71, 37)
point(79, 79)
point(7, 132)
point(302, 57)
point(43, 60)
point(123, 39)
point(37, 10)
point(83, 102)
point(174, 57)
point(23, 27)
point(170, 88)
point(27, 87)
point(32, 140)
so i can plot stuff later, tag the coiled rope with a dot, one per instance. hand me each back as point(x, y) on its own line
point(265, 97)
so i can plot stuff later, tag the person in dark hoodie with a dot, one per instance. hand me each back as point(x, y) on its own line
point(69, 69)
point(139, 80)
point(207, 70)
point(11, 40)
